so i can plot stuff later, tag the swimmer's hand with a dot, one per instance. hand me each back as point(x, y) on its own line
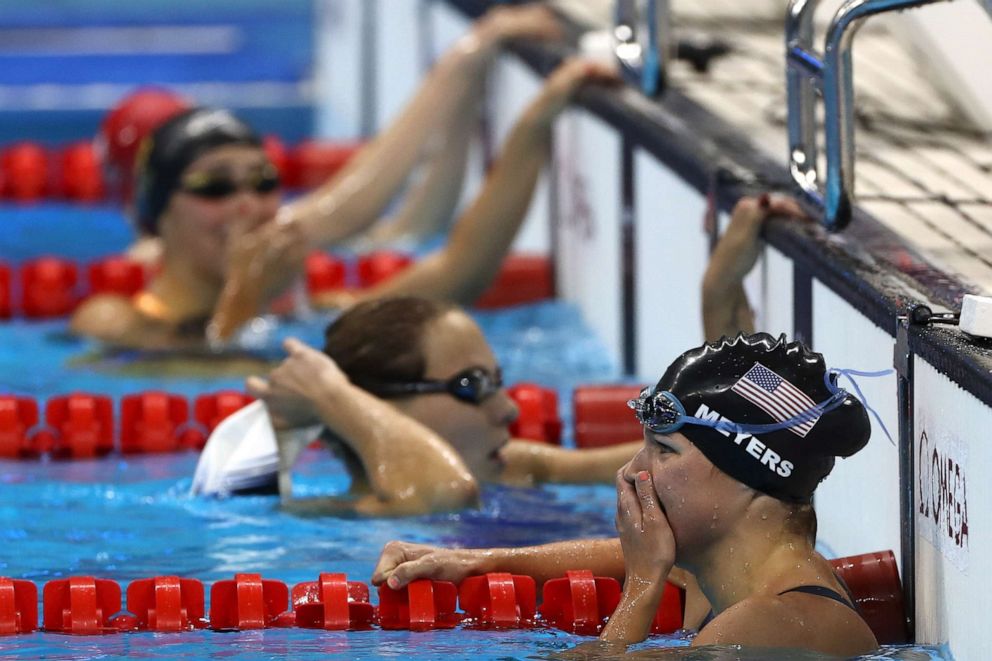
point(564, 82)
point(261, 263)
point(533, 21)
point(648, 552)
point(739, 248)
point(402, 562)
point(293, 388)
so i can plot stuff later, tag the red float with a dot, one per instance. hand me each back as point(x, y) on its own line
point(499, 600)
point(521, 279)
point(18, 415)
point(602, 416)
point(80, 605)
point(25, 172)
point(82, 425)
point(671, 610)
point(78, 174)
point(210, 409)
point(333, 603)
point(420, 606)
point(150, 421)
point(324, 273)
point(127, 124)
point(380, 266)
point(580, 602)
point(538, 413)
point(247, 602)
point(313, 163)
point(873, 579)
point(166, 603)
point(49, 287)
point(116, 275)
point(18, 606)
point(6, 307)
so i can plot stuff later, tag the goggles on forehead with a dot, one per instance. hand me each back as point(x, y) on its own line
point(663, 413)
point(473, 385)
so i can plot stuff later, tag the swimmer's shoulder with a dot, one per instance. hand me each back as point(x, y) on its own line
point(115, 320)
point(792, 620)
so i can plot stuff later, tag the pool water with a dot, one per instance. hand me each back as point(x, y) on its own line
point(131, 517)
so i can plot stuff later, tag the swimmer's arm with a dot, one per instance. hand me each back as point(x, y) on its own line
point(726, 310)
point(530, 462)
point(356, 197)
point(114, 321)
point(481, 237)
point(411, 469)
point(405, 562)
point(430, 205)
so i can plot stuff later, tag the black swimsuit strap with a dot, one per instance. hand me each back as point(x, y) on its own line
point(816, 590)
point(821, 591)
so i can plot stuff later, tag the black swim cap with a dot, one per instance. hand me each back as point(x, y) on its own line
point(759, 380)
point(167, 152)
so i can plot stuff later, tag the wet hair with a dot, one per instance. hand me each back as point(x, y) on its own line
point(382, 340)
point(166, 153)
point(787, 463)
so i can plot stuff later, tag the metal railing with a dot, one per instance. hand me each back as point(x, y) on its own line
point(807, 73)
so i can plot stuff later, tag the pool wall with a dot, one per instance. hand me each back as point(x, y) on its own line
point(623, 215)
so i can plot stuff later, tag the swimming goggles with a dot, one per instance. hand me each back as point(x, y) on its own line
point(214, 186)
point(473, 385)
point(663, 413)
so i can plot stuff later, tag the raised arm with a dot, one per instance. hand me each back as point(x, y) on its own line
point(429, 205)
point(482, 235)
point(410, 469)
point(355, 198)
point(726, 310)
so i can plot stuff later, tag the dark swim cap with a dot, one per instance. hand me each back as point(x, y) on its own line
point(759, 380)
point(166, 153)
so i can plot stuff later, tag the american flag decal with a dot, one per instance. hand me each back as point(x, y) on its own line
point(778, 398)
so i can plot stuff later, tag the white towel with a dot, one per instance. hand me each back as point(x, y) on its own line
point(242, 453)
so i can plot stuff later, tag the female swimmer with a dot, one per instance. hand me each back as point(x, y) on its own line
point(412, 398)
point(731, 504)
point(207, 189)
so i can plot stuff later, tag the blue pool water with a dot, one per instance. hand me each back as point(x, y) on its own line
point(129, 518)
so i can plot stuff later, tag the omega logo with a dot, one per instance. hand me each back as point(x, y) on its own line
point(943, 494)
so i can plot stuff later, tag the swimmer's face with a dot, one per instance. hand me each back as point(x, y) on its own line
point(452, 344)
point(196, 226)
point(700, 501)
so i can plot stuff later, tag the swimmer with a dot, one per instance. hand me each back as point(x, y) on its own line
point(208, 190)
point(732, 506)
point(412, 399)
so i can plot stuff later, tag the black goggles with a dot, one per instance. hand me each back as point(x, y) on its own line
point(473, 385)
point(658, 410)
point(212, 186)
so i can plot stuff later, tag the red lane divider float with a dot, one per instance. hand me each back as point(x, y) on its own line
point(333, 603)
point(499, 600)
point(579, 602)
point(538, 418)
point(81, 605)
point(166, 603)
point(52, 287)
point(247, 602)
point(82, 425)
point(873, 579)
point(78, 174)
point(23, 172)
point(18, 606)
point(420, 606)
point(602, 416)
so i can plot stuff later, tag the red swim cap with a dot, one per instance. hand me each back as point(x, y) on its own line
point(127, 124)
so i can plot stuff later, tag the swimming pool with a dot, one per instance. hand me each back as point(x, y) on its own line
point(130, 517)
